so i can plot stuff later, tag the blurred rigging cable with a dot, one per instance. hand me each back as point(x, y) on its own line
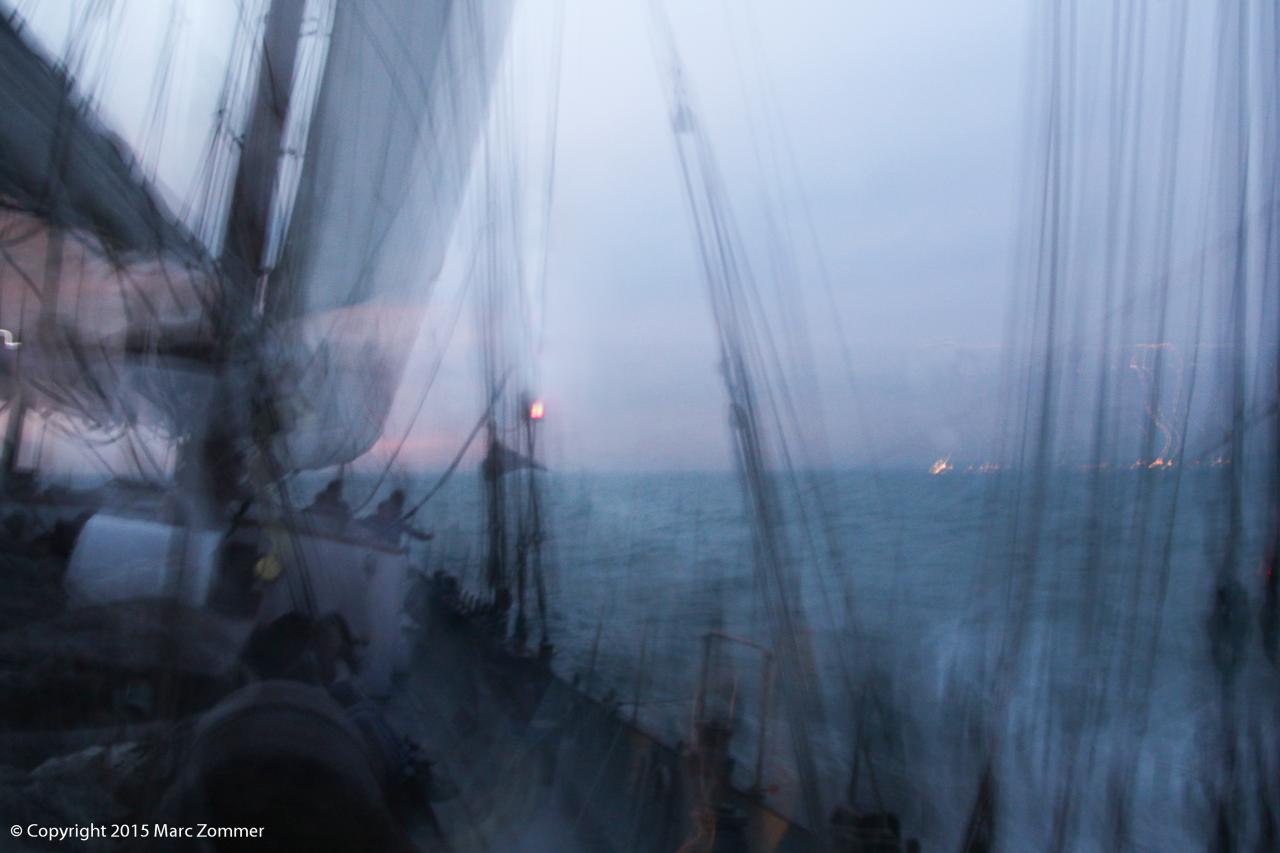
point(758, 402)
point(1112, 206)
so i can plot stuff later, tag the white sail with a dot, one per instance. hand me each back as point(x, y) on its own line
point(400, 107)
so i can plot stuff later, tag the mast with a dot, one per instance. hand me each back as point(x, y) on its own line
point(755, 436)
point(495, 508)
point(528, 531)
point(533, 533)
point(249, 214)
point(209, 463)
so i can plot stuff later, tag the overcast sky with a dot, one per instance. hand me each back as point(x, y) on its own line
point(904, 121)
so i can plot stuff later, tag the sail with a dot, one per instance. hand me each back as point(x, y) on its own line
point(400, 106)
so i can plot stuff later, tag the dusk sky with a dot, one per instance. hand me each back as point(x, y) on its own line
point(903, 120)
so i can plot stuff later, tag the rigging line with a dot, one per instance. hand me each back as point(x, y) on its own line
point(1009, 444)
point(1119, 141)
point(106, 466)
point(152, 141)
point(1166, 562)
point(212, 187)
point(776, 397)
point(448, 472)
point(1235, 296)
point(1142, 504)
point(139, 450)
point(108, 47)
point(1099, 494)
point(73, 45)
point(551, 144)
point(132, 448)
point(781, 256)
point(509, 162)
point(780, 402)
point(727, 275)
point(1037, 426)
point(393, 68)
point(314, 45)
point(782, 140)
point(737, 268)
point(373, 254)
point(17, 18)
point(36, 226)
point(22, 304)
point(426, 390)
point(26, 278)
point(44, 430)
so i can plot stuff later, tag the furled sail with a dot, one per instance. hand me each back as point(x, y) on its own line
point(400, 105)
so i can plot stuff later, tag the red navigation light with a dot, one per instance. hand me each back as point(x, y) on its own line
point(536, 411)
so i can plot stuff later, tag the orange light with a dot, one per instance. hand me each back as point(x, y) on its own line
point(535, 411)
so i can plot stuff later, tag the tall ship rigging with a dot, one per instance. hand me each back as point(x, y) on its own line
point(242, 632)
